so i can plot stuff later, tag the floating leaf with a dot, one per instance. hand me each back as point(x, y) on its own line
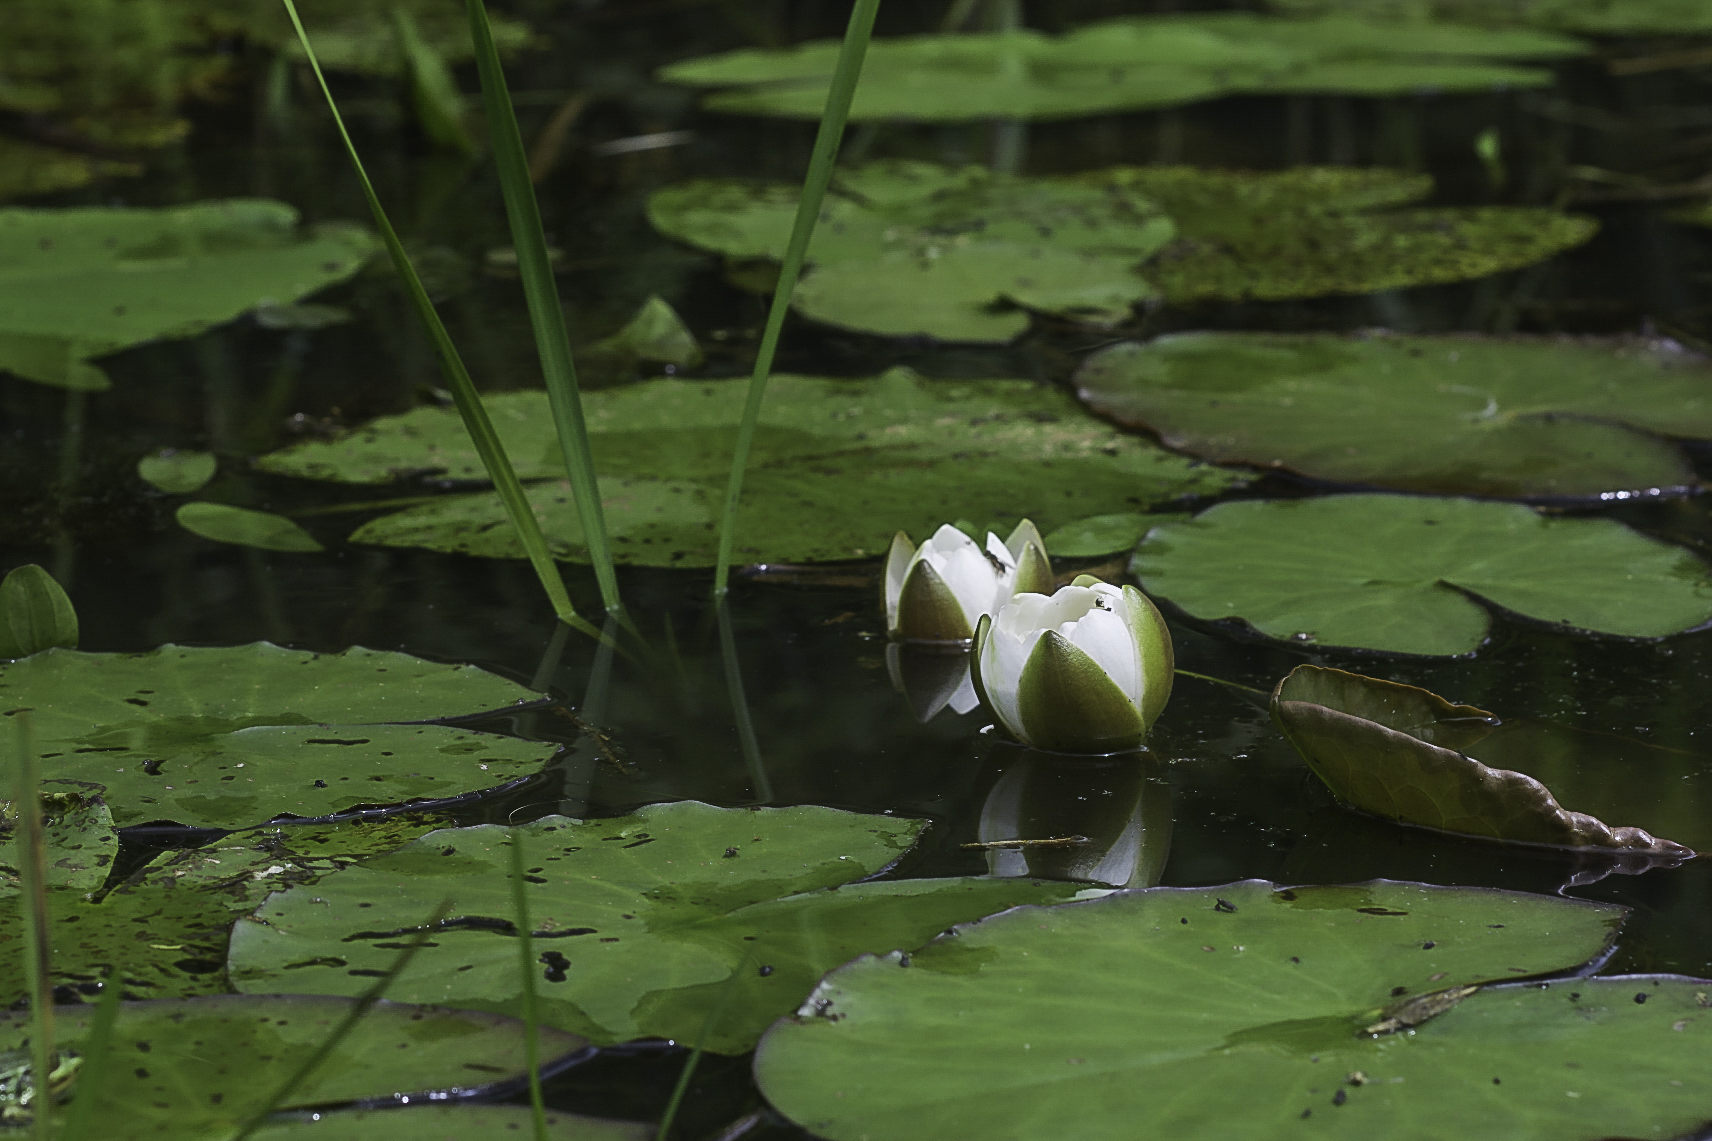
point(1403, 753)
point(657, 335)
point(646, 924)
point(1100, 535)
point(28, 170)
point(246, 527)
point(1237, 1011)
point(1519, 416)
point(35, 613)
point(838, 467)
point(1592, 17)
point(200, 1067)
point(228, 737)
point(177, 472)
point(1311, 231)
point(80, 283)
point(1123, 65)
point(162, 933)
point(464, 1122)
point(951, 245)
point(1402, 573)
point(80, 841)
point(908, 248)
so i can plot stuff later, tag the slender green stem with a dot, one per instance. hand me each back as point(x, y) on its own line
point(38, 947)
point(97, 1044)
point(746, 739)
point(541, 291)
point(676, 1100)
point(476, 422)
point(1222, 681)
point(526, 967)
point(359, 1007)
point(820, 164)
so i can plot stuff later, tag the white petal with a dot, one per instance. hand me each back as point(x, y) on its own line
point(1003, 656)
point(971, 579)
point(898, 562)
point(1105, 636)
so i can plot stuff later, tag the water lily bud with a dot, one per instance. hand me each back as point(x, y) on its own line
point(938, 592)
point(1085, 670)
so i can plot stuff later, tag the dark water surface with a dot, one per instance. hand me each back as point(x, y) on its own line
point(829, 729)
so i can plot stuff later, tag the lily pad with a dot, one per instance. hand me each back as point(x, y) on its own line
point(200, 1067)
point(464, 1122)
point(228, 737)
point(1532, 417)
point(163, 932)
point(1100, 534)
point(76, 284)
point(79, 841)
point(1403, 753)
point(1592, 17)
point(1408, 575)
point(1124, 65)
point(645, 925)
point(838, 467)
point(35, 613)
point(177, 472)
point(1241, 1011)
point(246, 527)
point(909, 248)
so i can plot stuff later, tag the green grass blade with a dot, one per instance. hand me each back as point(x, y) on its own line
point(469, 404)
point(32, 872)
point(820, 164)
point(759, 782)
point(97, 1057)
point(526, 965)
point(546, 317)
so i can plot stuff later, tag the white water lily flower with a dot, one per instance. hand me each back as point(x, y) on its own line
point(1086, 670)
point(938, 591)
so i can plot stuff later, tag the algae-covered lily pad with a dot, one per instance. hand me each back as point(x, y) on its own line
point(1245, 1011)
point(1408, 574)
point(1312, 231)
point(80, 283)
point(1469, 415)
point(200, 1067)
point(162, 932)
point(644, 925)
point(1404, 753)
point(1592, 17)
point(839, 466)
point(1124, 65)
point(228, 737)
point(913, 248)
point(79, 840)
point(908, 248)
point(463, 1122)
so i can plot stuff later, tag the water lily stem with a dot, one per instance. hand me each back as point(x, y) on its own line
point(1224, 682)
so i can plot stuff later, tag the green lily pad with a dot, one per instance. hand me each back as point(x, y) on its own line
point(228, 737)
point(35, 613)
point(76, 284)
point(1520, 416)
point(177, 472)
point(245, 527)
point(1592, 17)
point(1100, 534)
point(27, 169)
point(645, 925)
point(163, 932)
point(1403, 574)
point(838, 467)
point(1238, 1011)
point(1124, 65)
point(1403, 753)
point(464, 1122)
point(79, 841)
point(200, 1067)
point(908, 248)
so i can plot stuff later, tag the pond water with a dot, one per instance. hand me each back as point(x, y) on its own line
point(828, 728)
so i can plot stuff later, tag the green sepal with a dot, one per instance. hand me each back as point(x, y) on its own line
point(1034, 571)
point(927, 609)
point(983, 631)
point(1068, 704)
point(1158, 659)
point(35, 613)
